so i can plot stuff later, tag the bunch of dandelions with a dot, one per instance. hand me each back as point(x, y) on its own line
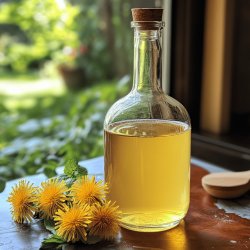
point(73, 207)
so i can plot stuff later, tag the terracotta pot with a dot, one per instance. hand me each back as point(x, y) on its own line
point(74, 78)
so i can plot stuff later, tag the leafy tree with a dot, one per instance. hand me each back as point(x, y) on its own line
point(48, 24)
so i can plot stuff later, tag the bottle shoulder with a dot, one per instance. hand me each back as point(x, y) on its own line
point(137, 105)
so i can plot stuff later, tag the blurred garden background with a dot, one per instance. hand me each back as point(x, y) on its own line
point(62, 64)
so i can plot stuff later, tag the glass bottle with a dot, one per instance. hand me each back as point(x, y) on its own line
point(147, 141)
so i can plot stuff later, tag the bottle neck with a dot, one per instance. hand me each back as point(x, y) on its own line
point(147, 61)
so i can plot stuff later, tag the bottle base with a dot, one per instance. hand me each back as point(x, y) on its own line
point(151, 228)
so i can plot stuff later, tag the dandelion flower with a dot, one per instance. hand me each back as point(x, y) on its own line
point(22, 199)
point(72, 222)
point(88, 191)
point(51, 197)
point(105, 221)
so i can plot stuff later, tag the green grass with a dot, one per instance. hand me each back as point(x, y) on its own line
point(19, 77)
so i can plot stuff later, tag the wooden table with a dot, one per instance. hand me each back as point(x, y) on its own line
point(204, 227)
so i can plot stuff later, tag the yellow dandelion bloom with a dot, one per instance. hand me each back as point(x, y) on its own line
point(88, 191)
point(105, 220)
point(22, 199)
point(72, 222)
point(51, 197)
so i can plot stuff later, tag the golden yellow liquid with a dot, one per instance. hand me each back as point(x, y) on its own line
point(147, 166)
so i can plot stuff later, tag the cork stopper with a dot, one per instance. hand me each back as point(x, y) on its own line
point(147, 14)
point(147, 18)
